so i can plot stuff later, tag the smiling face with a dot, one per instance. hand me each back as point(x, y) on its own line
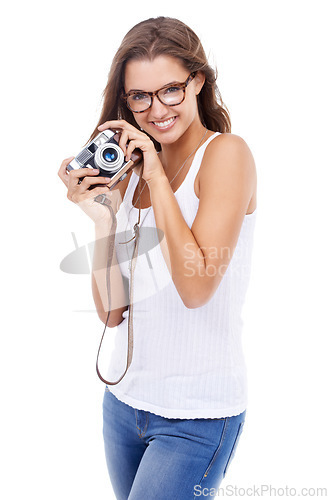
point(166, 124)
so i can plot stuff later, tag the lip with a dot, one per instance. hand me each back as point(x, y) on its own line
point(167, 127)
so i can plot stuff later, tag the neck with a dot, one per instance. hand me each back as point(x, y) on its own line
point(173, 155)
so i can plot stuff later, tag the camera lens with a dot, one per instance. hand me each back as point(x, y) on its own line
point(110, 155)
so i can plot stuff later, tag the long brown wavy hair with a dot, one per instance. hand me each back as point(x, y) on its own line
point(163, 36)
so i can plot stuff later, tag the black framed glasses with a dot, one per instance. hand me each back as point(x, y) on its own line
point(171, 94)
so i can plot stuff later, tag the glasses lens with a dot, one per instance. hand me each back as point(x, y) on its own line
point(171, 95)
point(139, 101)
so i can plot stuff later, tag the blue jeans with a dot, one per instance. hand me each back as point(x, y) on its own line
point(156, 458)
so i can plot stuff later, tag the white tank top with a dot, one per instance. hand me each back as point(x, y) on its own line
point(187, 363)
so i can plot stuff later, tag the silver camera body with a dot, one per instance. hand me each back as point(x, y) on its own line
point(103, 152)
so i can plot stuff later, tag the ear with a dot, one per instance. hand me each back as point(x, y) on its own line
point(199, 81)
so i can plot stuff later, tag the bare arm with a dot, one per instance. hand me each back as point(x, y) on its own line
point(117, 291)
point(84, 197)
point(197, 258)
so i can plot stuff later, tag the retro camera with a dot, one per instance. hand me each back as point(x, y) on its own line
point(103, 152)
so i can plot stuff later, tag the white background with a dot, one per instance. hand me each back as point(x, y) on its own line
point(271, 58)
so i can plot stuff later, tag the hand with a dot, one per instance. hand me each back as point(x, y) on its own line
point(85, 197)
point(132, 138)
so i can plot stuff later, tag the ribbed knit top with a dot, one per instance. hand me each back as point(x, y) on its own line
point(187, 363)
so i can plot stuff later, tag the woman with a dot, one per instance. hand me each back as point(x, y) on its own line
point(172, 424)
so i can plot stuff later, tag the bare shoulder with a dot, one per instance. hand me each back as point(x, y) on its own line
point(228, 153)
point(232, 146)
point(228, 161)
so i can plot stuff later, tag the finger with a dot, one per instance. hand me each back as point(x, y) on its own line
point(131, 147)
point(97, 190)
point(65, 163)
point(78, 197)
point(123, 141)
point(90, 181)
point(75, 177)
point(83, 172)
point(62, 172)
point(115, 124)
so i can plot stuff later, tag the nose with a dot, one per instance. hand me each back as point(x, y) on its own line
point(158, 110)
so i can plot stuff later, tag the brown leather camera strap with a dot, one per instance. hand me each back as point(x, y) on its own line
point(104, 200)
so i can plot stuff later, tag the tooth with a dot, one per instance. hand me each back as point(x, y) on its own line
point(165, 123)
